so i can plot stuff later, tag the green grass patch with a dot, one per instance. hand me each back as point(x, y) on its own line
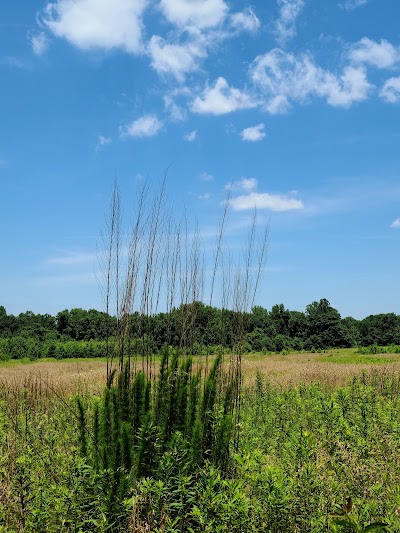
point(308, 458)
point(27, 361)
point(356, 359)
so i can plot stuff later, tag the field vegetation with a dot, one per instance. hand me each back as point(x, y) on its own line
point(196, 418)
point(317, 449)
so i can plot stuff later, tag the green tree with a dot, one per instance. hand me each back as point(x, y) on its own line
point(352, 327)
point(325, 328)
point(279, 317)
point(298, 325)
point(382, 329)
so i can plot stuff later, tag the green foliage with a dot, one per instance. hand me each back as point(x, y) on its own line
point(381, 330)
point(306, 447)
point(352, 358)
point(375, 349)
point(200, 329)
point(307, 458)
point(141, 422)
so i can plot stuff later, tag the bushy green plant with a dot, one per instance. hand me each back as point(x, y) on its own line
point(139, 420)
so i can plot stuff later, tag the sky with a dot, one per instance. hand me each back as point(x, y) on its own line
point(293, 105)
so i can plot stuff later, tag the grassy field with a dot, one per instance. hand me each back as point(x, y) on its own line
point(331, 367)
point(317, 450)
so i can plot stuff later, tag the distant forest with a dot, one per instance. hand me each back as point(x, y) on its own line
point(197, 327)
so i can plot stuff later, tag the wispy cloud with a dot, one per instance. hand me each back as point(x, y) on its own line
point(72, 258)
point(272, 202)
point(378, 54)
point(205, 176)
point(245, 184)
point(284, 78)
point(39, 42)
point(285, 26)
point(146, 126)
point(90, 24)
point(221, 99)
point(350, 5)
point(173, 58)
point(351, 194)
point(176, 103)
point(205, 196)
point(395, 224)
point(254, 134)
point(102, 141)
point(15, 62)
point(278, 105)
point(245, 20)
point(190, 136)
point(390, 92)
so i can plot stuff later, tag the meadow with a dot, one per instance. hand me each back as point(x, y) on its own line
point(182, 427)
point(335, 367)
point(315, 448)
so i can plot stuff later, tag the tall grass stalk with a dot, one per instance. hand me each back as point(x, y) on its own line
point(152, 404)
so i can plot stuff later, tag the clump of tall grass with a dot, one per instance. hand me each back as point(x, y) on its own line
point(150, 408)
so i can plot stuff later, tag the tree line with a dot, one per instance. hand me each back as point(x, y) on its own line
point(198, 327)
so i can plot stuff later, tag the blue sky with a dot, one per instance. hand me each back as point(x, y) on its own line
point(295, 102)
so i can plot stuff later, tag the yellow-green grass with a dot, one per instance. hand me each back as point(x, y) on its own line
point(331, 368)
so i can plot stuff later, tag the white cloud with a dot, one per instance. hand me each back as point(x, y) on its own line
point(350, 5)
point(205, 176)
point(284, 77)
point(106, 24)
point(352, 86)
point(245, 184)
point(205, 196)
point(196, 14)
point(221, 99)
point(174, 59)
point(190, 136)
point(72, 258)
point(395, 224)
point(273, 202)
point(102, 141)
point(391, 90)
point(381, 55)
point(39, 43)
point(146, 126)
point(245, 20)
point(285, 26)
point(278, 105)
point(177, 111)
point(248, 184)
point(253, 134)
point(205, 24)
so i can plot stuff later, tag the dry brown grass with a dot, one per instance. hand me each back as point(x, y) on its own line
point(66, 377)
point(310, 368)
point(69, 377)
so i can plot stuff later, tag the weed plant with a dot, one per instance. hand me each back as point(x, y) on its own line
point(150, 412)
point(309, 459)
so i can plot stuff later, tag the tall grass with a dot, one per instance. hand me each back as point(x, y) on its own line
point(148, 409)
point(309, 458)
